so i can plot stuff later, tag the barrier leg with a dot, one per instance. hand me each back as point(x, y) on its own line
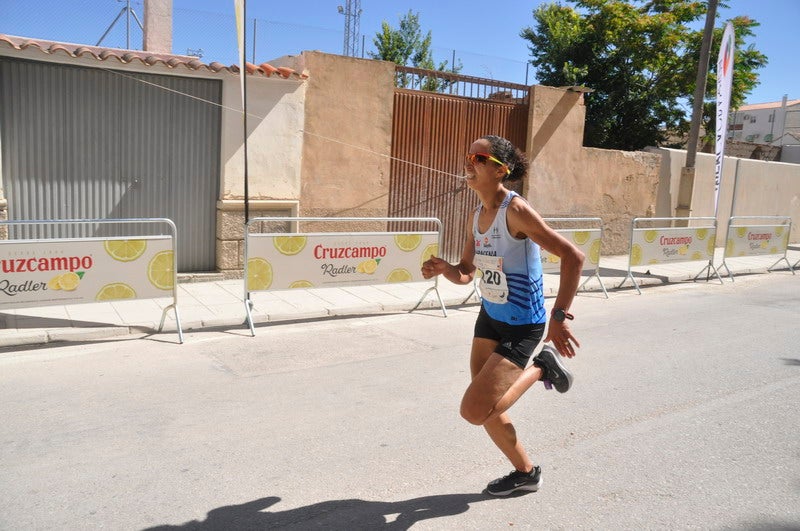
point(438, 296)
point(248, 307)
point(600, 280)
point(174, 307)
point(471, 293)
point(730, 273)
point(710, 267)
point(635, 284)
point(781, 260)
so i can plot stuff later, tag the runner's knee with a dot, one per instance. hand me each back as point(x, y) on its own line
point(473, 413)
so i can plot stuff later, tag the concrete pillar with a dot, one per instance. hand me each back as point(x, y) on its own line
point(157, 26)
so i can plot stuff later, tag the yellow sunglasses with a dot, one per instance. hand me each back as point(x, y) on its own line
point(481, 158)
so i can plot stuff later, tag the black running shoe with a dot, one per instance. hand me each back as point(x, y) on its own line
point(554, 373)
point(516, 480)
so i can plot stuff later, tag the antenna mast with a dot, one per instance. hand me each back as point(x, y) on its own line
point(352, 21)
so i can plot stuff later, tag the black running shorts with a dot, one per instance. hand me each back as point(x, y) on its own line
point(515, 342)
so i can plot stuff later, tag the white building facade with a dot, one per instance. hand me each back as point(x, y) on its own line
point(775, 123)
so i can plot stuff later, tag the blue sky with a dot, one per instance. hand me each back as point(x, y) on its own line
point(483, 35)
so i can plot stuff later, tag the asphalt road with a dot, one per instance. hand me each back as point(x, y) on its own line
point(684, 415)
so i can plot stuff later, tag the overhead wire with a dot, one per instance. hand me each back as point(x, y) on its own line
point(309, 133)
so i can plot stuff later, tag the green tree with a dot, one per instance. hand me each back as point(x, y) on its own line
point(640, 58)
point(406, 46)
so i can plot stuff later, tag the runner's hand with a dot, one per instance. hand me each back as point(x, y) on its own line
point(562, 338)
point(433, 266)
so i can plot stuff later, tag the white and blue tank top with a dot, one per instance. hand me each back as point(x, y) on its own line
point(511, 271)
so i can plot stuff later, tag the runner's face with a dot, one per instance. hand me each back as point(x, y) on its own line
point(482, 172)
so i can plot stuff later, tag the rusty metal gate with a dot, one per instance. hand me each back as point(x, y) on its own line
point(431, 135)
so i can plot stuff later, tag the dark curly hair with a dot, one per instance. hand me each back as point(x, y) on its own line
point(515, 159)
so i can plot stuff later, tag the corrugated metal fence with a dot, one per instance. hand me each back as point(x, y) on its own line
point(89, 143)
point(431, 135)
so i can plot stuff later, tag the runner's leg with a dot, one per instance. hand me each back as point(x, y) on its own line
point(496, 381)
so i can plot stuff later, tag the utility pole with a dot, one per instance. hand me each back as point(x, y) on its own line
point(352, 21)
point(686, 188)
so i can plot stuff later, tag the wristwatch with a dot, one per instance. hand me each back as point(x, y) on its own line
point(561, 315)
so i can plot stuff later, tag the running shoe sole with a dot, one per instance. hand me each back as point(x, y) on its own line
point(532, 487)
point(549, 360)
point(514, 485)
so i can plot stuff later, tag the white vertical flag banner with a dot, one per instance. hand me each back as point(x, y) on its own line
point(238, 6)
point(724, 82)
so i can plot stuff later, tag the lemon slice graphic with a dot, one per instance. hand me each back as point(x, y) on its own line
point(69, 281)
point(729, 248)
point(407, 242)
point(581, 237)
point(161, 271)
point(399, 275)
point(259, 274)
point(115, 291)
point(430, 250)
point(697, 255)
point(636, 254)
point(650, 235)
point(594, 252)
point(125, 250)
point(53, 283)
point(301, 284)
point(710, 248)
point(289, 245)
point(701, 234)
point(741, 231)
point(367, 266)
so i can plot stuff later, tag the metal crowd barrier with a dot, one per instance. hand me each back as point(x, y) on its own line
point(305, 260)
point(50, 271)
point(758, 239)
point(651, 246)
point(587, 236)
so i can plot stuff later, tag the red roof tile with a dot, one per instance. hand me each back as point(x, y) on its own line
point(145, 57)
point(768, 105)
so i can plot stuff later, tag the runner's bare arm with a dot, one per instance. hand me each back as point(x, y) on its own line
point(523, 221)
point(460, 273)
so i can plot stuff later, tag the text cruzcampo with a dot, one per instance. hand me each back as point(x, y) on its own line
point(56, 263)
point(327, 253)
point(675, 240)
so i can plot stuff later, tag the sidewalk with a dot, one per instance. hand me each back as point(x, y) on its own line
point(218, 304)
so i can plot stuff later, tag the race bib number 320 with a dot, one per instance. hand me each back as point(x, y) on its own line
point(493, 284)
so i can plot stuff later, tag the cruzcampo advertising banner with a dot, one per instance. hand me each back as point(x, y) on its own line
point(674, 244)
point(757, 240)
point(332, 259)
point(72, 271)
point(588, 241)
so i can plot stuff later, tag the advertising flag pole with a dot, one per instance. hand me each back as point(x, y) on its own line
point(724, 83)
point(241, 19)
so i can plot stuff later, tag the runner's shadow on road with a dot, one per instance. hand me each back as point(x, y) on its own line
point(335, 514)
